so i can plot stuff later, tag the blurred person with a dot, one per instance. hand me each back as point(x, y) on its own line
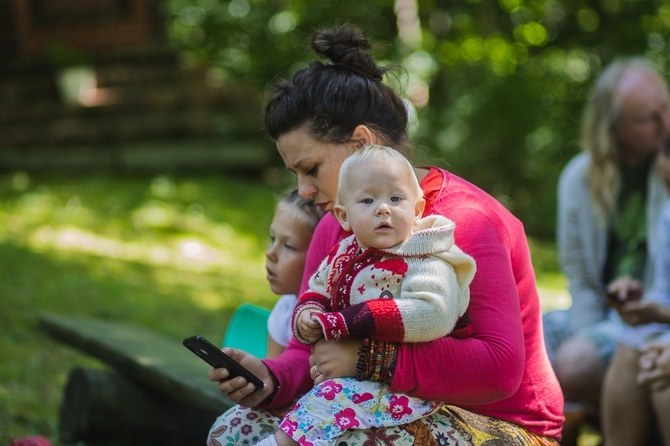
point(636, 393)
point(609, 200)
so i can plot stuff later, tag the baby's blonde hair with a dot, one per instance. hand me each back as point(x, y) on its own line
point(379, 154)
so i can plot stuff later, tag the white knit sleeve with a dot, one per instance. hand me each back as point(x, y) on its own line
point(430, 299)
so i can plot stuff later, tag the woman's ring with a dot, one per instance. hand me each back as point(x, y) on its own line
point(316, 372)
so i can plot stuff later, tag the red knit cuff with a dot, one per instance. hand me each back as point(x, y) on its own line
point(334, 325)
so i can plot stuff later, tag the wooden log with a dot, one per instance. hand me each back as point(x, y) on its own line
point(102, 407)
point(142, 355)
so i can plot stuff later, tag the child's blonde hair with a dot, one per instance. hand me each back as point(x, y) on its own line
point(378, 154)
point(306, 206)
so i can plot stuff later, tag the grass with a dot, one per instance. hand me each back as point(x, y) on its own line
point(174, 253)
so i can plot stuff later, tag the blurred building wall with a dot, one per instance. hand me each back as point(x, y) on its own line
point(95, 84)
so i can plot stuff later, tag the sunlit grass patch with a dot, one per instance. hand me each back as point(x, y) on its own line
point(174, 254)
point(551, 282)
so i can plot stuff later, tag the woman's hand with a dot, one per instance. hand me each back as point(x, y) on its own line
point(238, 389)
point(334, 359)
point(655, 366)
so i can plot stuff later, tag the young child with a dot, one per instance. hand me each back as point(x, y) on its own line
point(399, 277)
point(290, 234)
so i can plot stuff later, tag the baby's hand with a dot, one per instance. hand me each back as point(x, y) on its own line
point(309, 328)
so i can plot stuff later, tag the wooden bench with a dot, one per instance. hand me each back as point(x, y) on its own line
point(156, 391)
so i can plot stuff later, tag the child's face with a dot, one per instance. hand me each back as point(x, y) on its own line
point(380, 204)
point(290, 234)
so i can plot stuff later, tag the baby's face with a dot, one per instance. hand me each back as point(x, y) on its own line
point(382, 203)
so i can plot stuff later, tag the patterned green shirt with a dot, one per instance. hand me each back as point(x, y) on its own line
point(627, 242)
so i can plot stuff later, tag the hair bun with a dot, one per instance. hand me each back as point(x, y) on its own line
point(347, 47)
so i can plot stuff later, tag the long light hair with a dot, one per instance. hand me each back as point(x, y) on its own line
point(601, 116)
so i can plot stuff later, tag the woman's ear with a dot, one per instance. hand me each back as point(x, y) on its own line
point(341, 215)
point(363, 135)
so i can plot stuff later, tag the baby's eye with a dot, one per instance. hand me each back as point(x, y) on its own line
point(396, 198)
point(312, 170)
point(366, 201)
point(289, 247)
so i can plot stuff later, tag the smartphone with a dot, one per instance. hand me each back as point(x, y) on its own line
point(216, 358)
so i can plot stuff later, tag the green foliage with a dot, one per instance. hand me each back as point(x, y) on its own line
point(499, 85)
point(259, 39)
point(514, 79)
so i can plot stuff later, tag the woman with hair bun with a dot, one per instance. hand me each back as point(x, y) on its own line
point(495, 385)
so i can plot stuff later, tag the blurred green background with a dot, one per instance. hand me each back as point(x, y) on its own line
point(498, 85)
point(173, 254)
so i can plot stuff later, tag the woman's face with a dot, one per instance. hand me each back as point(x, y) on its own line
point(644, 124)
point(316, 164)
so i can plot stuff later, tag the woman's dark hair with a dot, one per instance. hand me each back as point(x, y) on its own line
point(336, 97)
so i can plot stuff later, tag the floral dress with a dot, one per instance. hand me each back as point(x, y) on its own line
point(336, 405)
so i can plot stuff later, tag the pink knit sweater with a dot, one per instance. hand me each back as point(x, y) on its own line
point(502, 370)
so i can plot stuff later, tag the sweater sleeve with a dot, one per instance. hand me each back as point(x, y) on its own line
point(327, 234)
point(425, 309)
point(578, 254)
point(317, 291)
point(315, 299)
